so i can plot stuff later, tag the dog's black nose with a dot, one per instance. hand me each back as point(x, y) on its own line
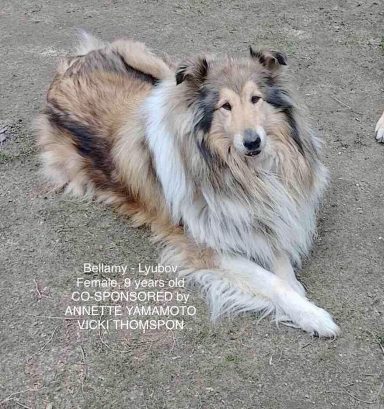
point(252, 140)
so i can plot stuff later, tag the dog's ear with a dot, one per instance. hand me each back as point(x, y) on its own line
point(194, 71)
point(272, 60)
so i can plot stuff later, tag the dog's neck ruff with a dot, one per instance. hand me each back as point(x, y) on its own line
point(167, 157)
point(258, 225)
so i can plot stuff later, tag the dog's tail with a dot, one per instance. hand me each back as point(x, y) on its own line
point(87, 43)
point(134, 54)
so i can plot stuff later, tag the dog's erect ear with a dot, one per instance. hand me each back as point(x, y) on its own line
point(194, 71)
point(273, 60)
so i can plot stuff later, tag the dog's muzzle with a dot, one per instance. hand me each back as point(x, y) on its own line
point(252, 142)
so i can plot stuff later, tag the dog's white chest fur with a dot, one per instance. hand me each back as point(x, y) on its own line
point(258, 227)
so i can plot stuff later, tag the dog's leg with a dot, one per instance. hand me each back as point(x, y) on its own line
point(287, 303)
point(282, 267)
point(234, 284)
point(380, 129)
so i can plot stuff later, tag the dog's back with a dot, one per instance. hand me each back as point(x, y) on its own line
point(93, 100)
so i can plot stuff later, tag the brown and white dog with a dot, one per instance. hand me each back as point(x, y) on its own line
point(380, 129)
point(214, 154)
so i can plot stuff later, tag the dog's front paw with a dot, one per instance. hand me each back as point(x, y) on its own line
point(380, 129)
point(317, 322)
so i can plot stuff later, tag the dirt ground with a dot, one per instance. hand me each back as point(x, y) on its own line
point(336, 53)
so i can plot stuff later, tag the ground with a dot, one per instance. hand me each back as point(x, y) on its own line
point(335, 51)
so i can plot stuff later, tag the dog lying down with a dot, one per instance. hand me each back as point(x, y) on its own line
point(214, 154)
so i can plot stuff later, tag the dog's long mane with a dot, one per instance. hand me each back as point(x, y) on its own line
point(231, 205)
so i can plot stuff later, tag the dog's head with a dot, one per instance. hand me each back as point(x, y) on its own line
point(234, 101)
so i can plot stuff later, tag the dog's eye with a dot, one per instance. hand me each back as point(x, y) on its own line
point(254, 99)
point(227, 106)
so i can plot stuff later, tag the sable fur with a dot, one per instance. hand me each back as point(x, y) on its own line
point(150, 138)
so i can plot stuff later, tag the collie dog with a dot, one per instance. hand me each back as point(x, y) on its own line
point(213, 153)
point(380, 129)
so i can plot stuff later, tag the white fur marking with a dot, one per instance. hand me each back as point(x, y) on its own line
point(88, 43)
point(163, 145)
point(380, 129)
point(263, 136)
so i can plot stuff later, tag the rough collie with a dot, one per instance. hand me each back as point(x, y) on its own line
point(214, 154)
